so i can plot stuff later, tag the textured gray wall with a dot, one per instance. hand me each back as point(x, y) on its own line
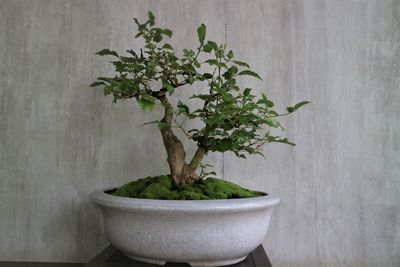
point(59, 140)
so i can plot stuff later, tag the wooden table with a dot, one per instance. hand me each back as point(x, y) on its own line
point(38, 264)
point(110, 257)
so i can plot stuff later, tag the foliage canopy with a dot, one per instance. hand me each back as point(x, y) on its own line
point(233, 118)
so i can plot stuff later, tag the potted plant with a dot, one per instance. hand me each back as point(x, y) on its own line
point(184, 216)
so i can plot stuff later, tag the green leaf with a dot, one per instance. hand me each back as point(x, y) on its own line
point(108, 90)
point(168, 46)
point(230, 73)
point(209, 46)
point(157, 37)
point(286, 141)
point(119, 65)
point(136, 21)
point(276, 139)
point(201, 33)
point(188, 53)
point(290, 109)
point(97, 84)
point(151, 18)
point(207, 75)
point(230, 54)
point(233, 70)
point(123, 85)
point(273, 122)
point(246, 92)
point(133, 53)
point(106, 79)
point(149, 97)
point(240, 155)
point(265, 101)
point(240, 63)
point(182, 108)
point(216, 63)
point(193, 130)
point(168, 86)
point(167, 32)
point(107, 52)
point(147, 102)
point(250, 73)
point(297, 106)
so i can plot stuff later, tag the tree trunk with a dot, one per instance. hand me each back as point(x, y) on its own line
point(181, 172)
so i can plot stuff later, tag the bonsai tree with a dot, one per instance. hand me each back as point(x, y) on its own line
point(233, 118)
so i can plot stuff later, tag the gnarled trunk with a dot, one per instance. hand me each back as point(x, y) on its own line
point(181, 172)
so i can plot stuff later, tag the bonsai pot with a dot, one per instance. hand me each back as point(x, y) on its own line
point(199, 232)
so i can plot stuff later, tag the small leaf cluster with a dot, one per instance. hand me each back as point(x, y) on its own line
point(234, 118)
point(155, 62)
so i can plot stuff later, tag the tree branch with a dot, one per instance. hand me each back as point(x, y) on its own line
point(197, 158)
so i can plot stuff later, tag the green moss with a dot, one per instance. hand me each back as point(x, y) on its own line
point(162, 187)
point(157, 191)
point(221, 189)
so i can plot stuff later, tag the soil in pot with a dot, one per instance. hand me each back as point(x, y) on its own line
point(163, 187)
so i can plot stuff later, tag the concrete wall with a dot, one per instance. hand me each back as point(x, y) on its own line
point(59, 140)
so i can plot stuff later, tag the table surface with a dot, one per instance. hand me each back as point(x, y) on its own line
point(38, 264)
point(111, 257)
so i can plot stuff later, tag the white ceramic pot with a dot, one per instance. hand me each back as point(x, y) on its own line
point(199, 232)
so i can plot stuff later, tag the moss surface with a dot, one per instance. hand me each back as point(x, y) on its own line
point(162, 187)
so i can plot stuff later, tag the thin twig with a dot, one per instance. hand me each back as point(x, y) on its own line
point(180, 127)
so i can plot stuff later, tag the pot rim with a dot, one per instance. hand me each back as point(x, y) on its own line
point(192, 206)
